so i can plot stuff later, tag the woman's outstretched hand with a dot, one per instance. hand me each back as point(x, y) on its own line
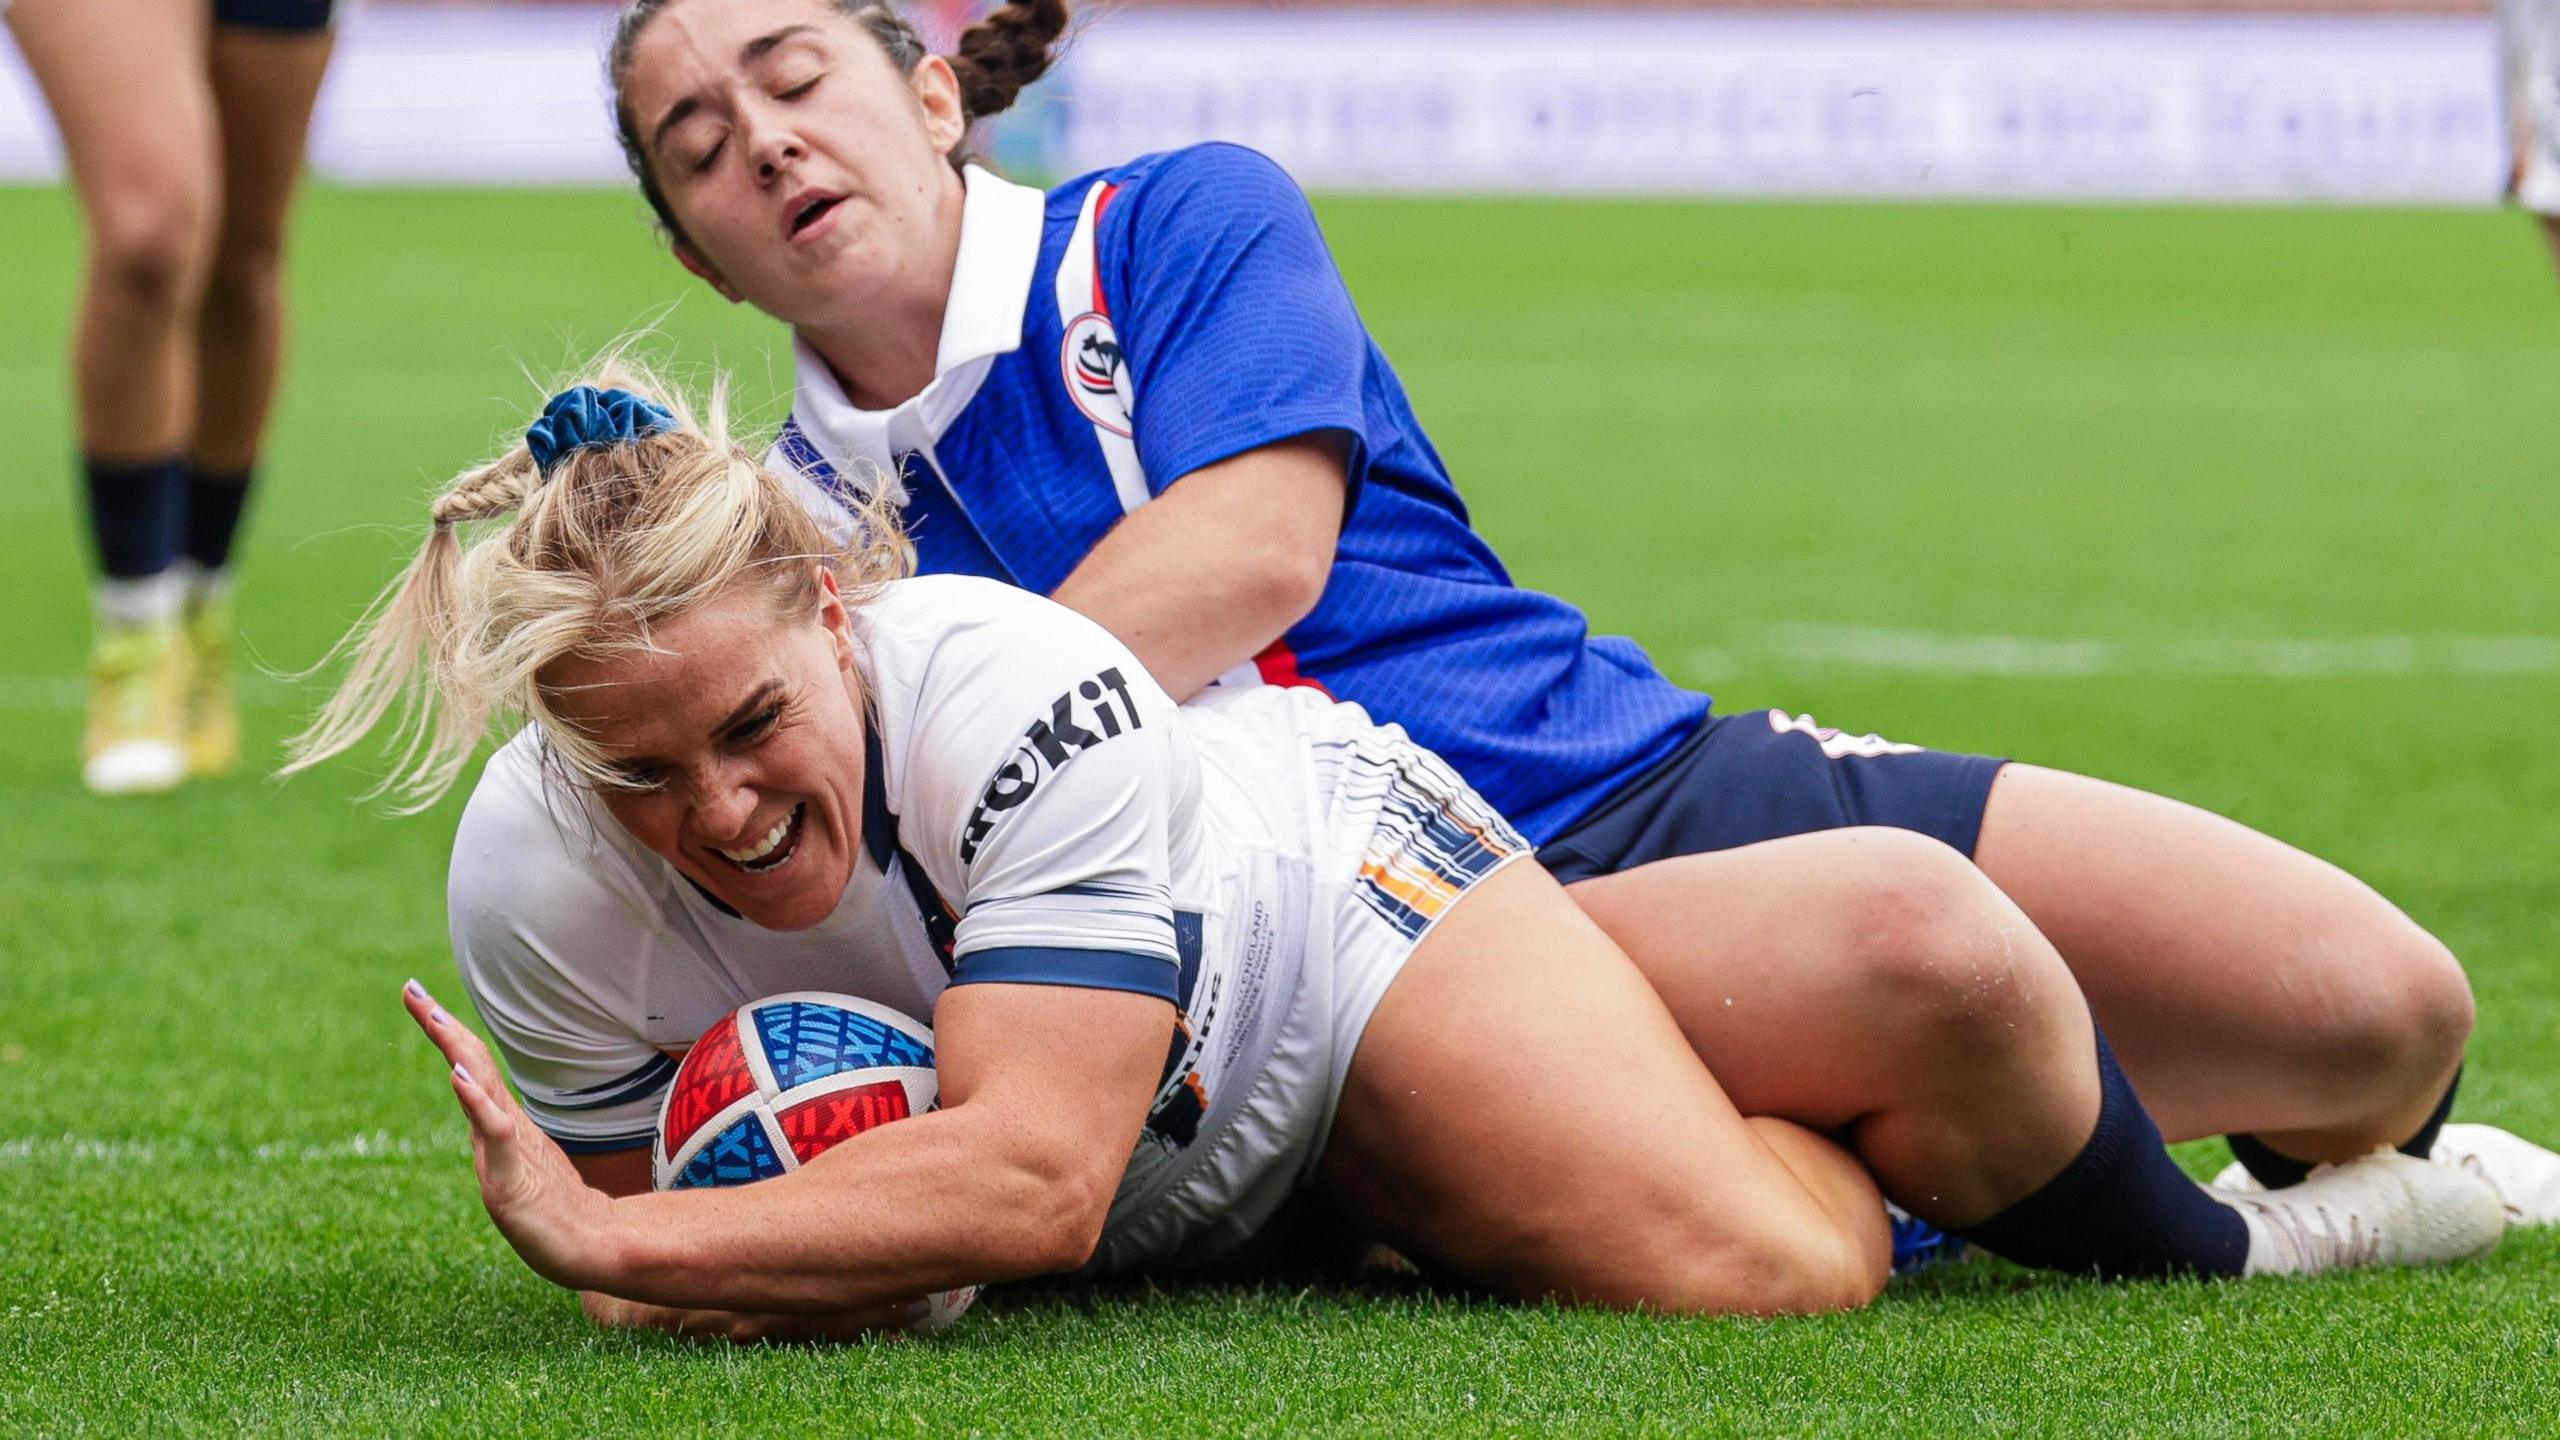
point(562, 1226)
point(539, 1201)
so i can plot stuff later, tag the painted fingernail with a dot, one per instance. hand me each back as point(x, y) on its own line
point(438, 1016)
point(464, 1076)
point(416, 989)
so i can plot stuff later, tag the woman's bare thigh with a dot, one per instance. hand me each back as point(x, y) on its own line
point(1523, 1111)
point(2247, 985)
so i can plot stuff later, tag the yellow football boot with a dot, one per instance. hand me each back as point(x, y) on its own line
point(137, 677)
point(212, 708)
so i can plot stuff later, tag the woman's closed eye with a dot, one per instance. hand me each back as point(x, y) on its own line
point(637, 775)
point(757, 727)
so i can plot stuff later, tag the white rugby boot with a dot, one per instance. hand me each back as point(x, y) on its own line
point(2525, 1175)
point(2383, 1209)
point(133, 744)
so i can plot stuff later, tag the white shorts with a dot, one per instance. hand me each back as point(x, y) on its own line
point(2529, 51)
point(1402, 838)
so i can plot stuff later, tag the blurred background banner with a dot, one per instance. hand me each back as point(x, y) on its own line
point(2351, 103)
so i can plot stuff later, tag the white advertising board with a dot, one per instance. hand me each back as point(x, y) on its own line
point(1809, 103)
point(2181, 106)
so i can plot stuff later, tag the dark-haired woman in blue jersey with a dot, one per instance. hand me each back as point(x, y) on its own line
point(1147, 394)
point(183, 123)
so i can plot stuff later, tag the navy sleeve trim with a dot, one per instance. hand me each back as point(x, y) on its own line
point(650, 1077)
point(1118, 892)
point(607, 1146)
point(1082, 969)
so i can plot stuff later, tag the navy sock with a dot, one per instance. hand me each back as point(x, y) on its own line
point(136, 514)
point(214, 503)
point(2275, 1169)
point(2122, 1207)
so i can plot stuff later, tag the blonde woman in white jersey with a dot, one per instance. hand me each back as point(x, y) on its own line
point(1180, 964)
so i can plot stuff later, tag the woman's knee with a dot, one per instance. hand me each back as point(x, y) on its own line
point(1933, 941)
point(244, 287)
point(152, 240)
point(1755, 1245)
point(2388, 1006)
point(1791, 1269)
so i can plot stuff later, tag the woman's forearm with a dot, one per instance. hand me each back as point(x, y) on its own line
point(927, 1204)
point(1203, 578)
point(745, 1327)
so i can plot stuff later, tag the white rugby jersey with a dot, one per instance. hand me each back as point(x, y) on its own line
point(1035, 811)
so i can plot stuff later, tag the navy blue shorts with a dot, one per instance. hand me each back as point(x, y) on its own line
point(290, 16)
point(1762, 774)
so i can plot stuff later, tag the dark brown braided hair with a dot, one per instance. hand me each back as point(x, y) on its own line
point(995, 60)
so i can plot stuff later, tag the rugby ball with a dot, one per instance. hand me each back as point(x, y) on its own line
point(775, 1084)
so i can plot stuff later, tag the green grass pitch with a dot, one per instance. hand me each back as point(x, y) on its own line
point(2251, 507)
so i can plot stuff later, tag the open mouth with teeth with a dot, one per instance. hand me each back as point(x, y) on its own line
point(775, 848)
point(811, 213)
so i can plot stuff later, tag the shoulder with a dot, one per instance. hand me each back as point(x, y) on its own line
point(954, 660)
point(924, 622)
point(927, 619)
point(970, 677)
point(537, 877)
point(521, 833)
point(1199, 188)
point(554, 926)
point(1212, 163)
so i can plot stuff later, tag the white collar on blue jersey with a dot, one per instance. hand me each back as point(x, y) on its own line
point(1000, 228)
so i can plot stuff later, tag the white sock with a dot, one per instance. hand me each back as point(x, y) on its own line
point(149, 600)
point(202, 586)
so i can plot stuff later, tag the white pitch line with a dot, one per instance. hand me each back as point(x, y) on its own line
point(1928, 652)
point(374, 1145)
point(41, 692)
point(24, 693)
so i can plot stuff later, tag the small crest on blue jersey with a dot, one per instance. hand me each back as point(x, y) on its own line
point(1096, 372)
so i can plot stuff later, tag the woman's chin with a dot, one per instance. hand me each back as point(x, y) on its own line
point(795, 902)
point(786, 914)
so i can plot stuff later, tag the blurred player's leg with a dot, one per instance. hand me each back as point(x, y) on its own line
point(125, 80)
point(2250, 987)
point(264, 84)
point(2529, 51)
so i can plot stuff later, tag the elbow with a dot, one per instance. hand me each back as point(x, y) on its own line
point(1060, 1213)
point(1073, 1232)
point(1288, 580)
point(1309, 570)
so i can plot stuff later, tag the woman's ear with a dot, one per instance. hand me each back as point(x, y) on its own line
point(836, 617)
point(701, 270)
point(946, 121)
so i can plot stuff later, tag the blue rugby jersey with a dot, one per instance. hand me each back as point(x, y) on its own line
point(1134, 325)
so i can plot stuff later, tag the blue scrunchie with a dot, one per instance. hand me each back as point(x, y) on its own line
point(583, 415)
